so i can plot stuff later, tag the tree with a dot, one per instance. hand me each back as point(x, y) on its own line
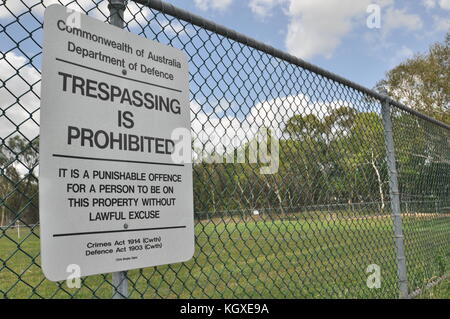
point(339, 122)
point(8, 176)
point(304, 126)
point(422, 82)
point(367, 144)
point(339, 157)
point(19, 193)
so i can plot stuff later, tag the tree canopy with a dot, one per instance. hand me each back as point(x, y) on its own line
point(423, 81)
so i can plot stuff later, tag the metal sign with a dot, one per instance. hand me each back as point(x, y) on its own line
point(112, 197)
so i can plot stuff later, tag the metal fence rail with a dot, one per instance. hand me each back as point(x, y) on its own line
point(359, 183)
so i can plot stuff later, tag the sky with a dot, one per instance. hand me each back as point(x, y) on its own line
point(357, 39)
point(334, 34)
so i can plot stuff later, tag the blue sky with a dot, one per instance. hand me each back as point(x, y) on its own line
point(334, 34)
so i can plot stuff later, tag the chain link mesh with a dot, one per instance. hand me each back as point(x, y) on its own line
point(309, 230)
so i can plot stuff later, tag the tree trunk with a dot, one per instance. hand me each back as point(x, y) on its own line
point(277, 193)
point(380, 183)
point(243, 194)
point(3, 216)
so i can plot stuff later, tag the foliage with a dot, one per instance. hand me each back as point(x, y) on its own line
point(422, 82)
point(18, 181)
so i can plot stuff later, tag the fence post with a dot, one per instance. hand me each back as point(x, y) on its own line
point(119, 279)
point(116, 10)
point(395, 199)
point(120, 285)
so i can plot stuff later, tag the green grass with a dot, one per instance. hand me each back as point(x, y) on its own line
point(440, 291)
point(256, 258)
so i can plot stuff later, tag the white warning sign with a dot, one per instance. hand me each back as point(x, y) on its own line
point(112, 197)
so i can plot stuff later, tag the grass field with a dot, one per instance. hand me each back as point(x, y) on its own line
point(257, 257)
point(440, 291)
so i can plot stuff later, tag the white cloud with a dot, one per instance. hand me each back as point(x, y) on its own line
point(317, 27)
point(441, 24)
point(19, 100)
point(400, 19)
point(430, 4)
point(11, 8)
point(23, 84)
point(222, 134)
point(135, 14)
point(445, 4)
point(38, 7)
point(211, 131)
point(171, 28)
point(212, 4)
point(263, 8)
point(401, 55)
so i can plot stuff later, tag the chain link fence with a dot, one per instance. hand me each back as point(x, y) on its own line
point(328, 218)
